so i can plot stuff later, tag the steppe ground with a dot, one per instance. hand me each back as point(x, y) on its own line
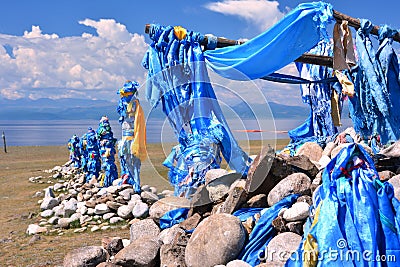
point(19, 207)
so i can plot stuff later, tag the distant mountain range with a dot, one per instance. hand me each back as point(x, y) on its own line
point(75, 109)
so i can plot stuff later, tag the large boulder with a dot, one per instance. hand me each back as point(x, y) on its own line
point(144, 228)
point(267, 170)
point(311, 150)
point(296, 183)
point(281, 247)
point(218, 239)
point(89, 256)
point(142, 252)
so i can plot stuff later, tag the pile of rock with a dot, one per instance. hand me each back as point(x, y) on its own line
point(211, 235)
point(71, 203)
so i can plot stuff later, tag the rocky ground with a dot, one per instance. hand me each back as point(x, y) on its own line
point(211, 235)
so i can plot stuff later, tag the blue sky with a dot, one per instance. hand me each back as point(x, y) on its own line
point(80, 48)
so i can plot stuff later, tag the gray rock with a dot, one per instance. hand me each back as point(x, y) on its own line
point(392, 151)
point(283, 245)
point(127, 193)
point(296, 227)
point(48, 193)
point(64, 223)
point(109, 215)
point(47, 213)
point(153, 190)
point(70, 207)
point(258, 201)
point(115, 220)
point(158, 209)
point(218, 239)
point(141, 253)
point(220, 186)
point(114, 246)
point(58, 186)
point(236, 198)
point(298, 211)
point(146, 187)
point(149, 197)
point(144, 228)
point(140, 210)
point(172, 255)
point(214, 174)
point(125, 211)
point(296, 183)
point(49, 203)
point(311, 150)
point(53, 220)
point(101, 209)
point(238, 263)
point(85, 218)
point(34, 229)
point(89, 256)
point(59, 210)
point(167, 236)
point(112, 189)
point(113, 205)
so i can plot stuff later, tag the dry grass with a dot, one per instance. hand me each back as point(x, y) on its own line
point(18, 207)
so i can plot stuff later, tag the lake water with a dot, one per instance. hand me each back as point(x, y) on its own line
point(57, 132)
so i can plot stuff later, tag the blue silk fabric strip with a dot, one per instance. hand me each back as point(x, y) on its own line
point(375, 108)
point(358, 217)
point(178, 79)
point(319, 125)
point(298, 32)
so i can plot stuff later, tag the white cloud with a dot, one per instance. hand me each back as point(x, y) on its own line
point(39, 65)
point(261, 13)
point(36, 32)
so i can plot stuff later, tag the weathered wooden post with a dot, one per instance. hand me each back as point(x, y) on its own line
point(4, 142)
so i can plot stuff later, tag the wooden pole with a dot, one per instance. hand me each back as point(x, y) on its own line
point(4, 142)
point(305, 58)
point(355, 23)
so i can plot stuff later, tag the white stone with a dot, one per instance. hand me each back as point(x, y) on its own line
point(109, 215)
point(101, 209)
point(140, 210)
point(115, 220)
point(298, 211)
point(47, 213)
point(35, 229)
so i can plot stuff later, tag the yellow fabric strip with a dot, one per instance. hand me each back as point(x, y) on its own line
point(138, 146)
point(180, 32)
point(347, 85)
point(310, 246)
point(335, 112)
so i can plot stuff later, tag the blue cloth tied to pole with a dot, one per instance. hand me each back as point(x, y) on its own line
point(375, 108)
point(178, 79)
point(299, 31)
